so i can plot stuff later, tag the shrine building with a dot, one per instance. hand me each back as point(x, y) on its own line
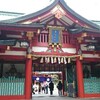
point(53, 39)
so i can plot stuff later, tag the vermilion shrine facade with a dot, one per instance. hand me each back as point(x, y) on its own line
point(53, 39)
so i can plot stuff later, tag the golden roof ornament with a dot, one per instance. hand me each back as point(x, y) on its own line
point(30, 35)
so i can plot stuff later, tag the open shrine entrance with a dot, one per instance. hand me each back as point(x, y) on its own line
point(44, 73)
point(66, 73)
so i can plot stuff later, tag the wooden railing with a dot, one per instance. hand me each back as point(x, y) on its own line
point(43, 38)
point(68, 39)
point(12, 86)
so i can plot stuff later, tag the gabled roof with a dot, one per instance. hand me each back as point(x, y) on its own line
point(63, 5)
point(17, 26)
point(11, 13)
point(78, 16)
point(22, 25)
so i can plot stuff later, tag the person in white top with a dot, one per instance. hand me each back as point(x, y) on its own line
point(35, 87)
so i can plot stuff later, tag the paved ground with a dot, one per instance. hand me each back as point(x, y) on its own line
point(55, 96)
point(60, 98)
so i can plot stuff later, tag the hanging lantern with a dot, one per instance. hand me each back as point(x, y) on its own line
point(59, 60)
point(55, 60)
point(41, 61)
point(69, 60)
point(52, 60)
point(65, 62)
point(48, 60)
point(62, 60)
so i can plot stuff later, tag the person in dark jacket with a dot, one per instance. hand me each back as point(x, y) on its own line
point(51, 87)
point(59, 86)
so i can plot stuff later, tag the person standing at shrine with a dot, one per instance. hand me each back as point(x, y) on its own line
point(59, 87)
point(46, 87)
point(51, 87)
point(40, 87)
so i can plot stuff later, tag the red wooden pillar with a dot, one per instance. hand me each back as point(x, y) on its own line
point(28, 79)
point(80, 83)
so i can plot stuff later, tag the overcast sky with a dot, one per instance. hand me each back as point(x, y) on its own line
point(89, 9)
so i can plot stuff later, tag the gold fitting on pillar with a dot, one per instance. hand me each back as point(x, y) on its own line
point(29, 55)
point(81, 57)
point(80, 39)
